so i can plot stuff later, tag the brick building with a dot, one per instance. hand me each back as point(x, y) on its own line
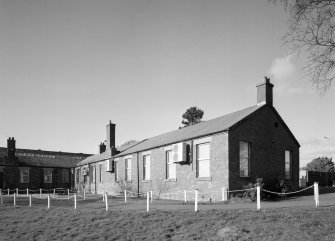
point(35, 169)
point(230, 151)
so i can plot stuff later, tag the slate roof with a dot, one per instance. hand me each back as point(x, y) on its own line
point(201, 129)
point(59, 159)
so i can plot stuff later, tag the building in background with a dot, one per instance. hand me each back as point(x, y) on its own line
point(230, 151)
point(35, 169)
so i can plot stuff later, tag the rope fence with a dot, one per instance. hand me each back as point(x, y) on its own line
point(48, 196)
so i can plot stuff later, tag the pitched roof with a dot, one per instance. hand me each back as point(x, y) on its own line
point(204, 128)
point(105, 155)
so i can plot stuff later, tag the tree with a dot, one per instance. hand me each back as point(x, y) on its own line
point(192, 116)
point(311, 28)
point(321, 164)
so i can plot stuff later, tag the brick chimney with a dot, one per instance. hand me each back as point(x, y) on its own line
point(110, 135)
point(11, 149)
point(264, 92)
point(102, 147)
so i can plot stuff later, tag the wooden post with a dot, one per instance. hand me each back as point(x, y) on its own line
point(125, 195)
point(48, 201)
point(75, 201)
point(224, 194)
point(40, 192)
point(8, 191)
point(1, 197)
point(258, 197)
point(84, 194)
point(151, 196)
point(316, 194)
point(54, 193)
point(195, 200)
point(103, 196)
point(17, 191)
point(106, 201)
point(68, 194)
point(29, 200)
point(185, 196)
point(27, 192)
point(147, 201)
point(14, 199)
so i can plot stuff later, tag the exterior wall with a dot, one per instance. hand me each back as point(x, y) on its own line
point(36, 178)
point(267, 155)
point(185, 173)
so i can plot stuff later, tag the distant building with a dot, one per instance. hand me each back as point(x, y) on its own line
point(229, 151)
point(35, 169)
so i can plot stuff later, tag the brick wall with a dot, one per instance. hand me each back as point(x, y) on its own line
point(268, 142)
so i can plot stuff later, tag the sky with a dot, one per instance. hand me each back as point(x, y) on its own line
point(67, 67)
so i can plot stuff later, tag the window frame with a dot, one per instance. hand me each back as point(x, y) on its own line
point(22, 176)
point(45, 175)
point(248, 158)
point(203, 160)
point(146, 167)
point(127, 169)
point(169, 165)
point(116, 170)
point(100, 172)
point(288, 173)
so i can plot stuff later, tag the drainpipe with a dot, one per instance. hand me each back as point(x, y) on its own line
point(138, 174)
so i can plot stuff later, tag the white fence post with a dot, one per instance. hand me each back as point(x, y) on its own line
point(54, 193)
point(106, 200)
point(75, 201)
point(147, 201)
point(258, 197)
point(8, 191)
point(17, 191)
point(151, 196)
point(224, 194)
point(125, 195)
point(30, 200)
point(68, 194)
point(316, 194)
point(27, 192)
point(14, 199)
point(48, 201)
point(40, 192)
point(84, 194)
point(195, 200)
point(103, 196)
point(1, 198)
point(185, 196)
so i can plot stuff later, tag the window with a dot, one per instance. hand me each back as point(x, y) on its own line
point(146, 167)
point(170, 166)
point(93, 173)
point(65, 176)
point(100, 172)
point(203, 167)
point(116, 170)
point(47, 175)
point(24, 175)
point(288, 162)
point(128, 170)
point(244, 158)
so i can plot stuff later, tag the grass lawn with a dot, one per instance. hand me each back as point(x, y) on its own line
point(91, 222)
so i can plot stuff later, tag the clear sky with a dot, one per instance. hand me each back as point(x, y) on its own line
point(67, 67)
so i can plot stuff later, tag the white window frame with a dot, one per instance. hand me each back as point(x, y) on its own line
point(116, 170)
point(288, 164)
point(202, 161)
point(24, 175)
point(170, 165)
point(244, 160)
point(146, 167)
point(128, 169)
point(47, 177)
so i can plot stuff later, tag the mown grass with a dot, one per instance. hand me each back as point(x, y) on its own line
point(37, 223)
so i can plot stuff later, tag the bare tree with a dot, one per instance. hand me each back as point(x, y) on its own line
point(312, 30)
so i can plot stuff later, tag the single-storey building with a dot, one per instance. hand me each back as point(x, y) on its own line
point(229, 151)
point(35, 169)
